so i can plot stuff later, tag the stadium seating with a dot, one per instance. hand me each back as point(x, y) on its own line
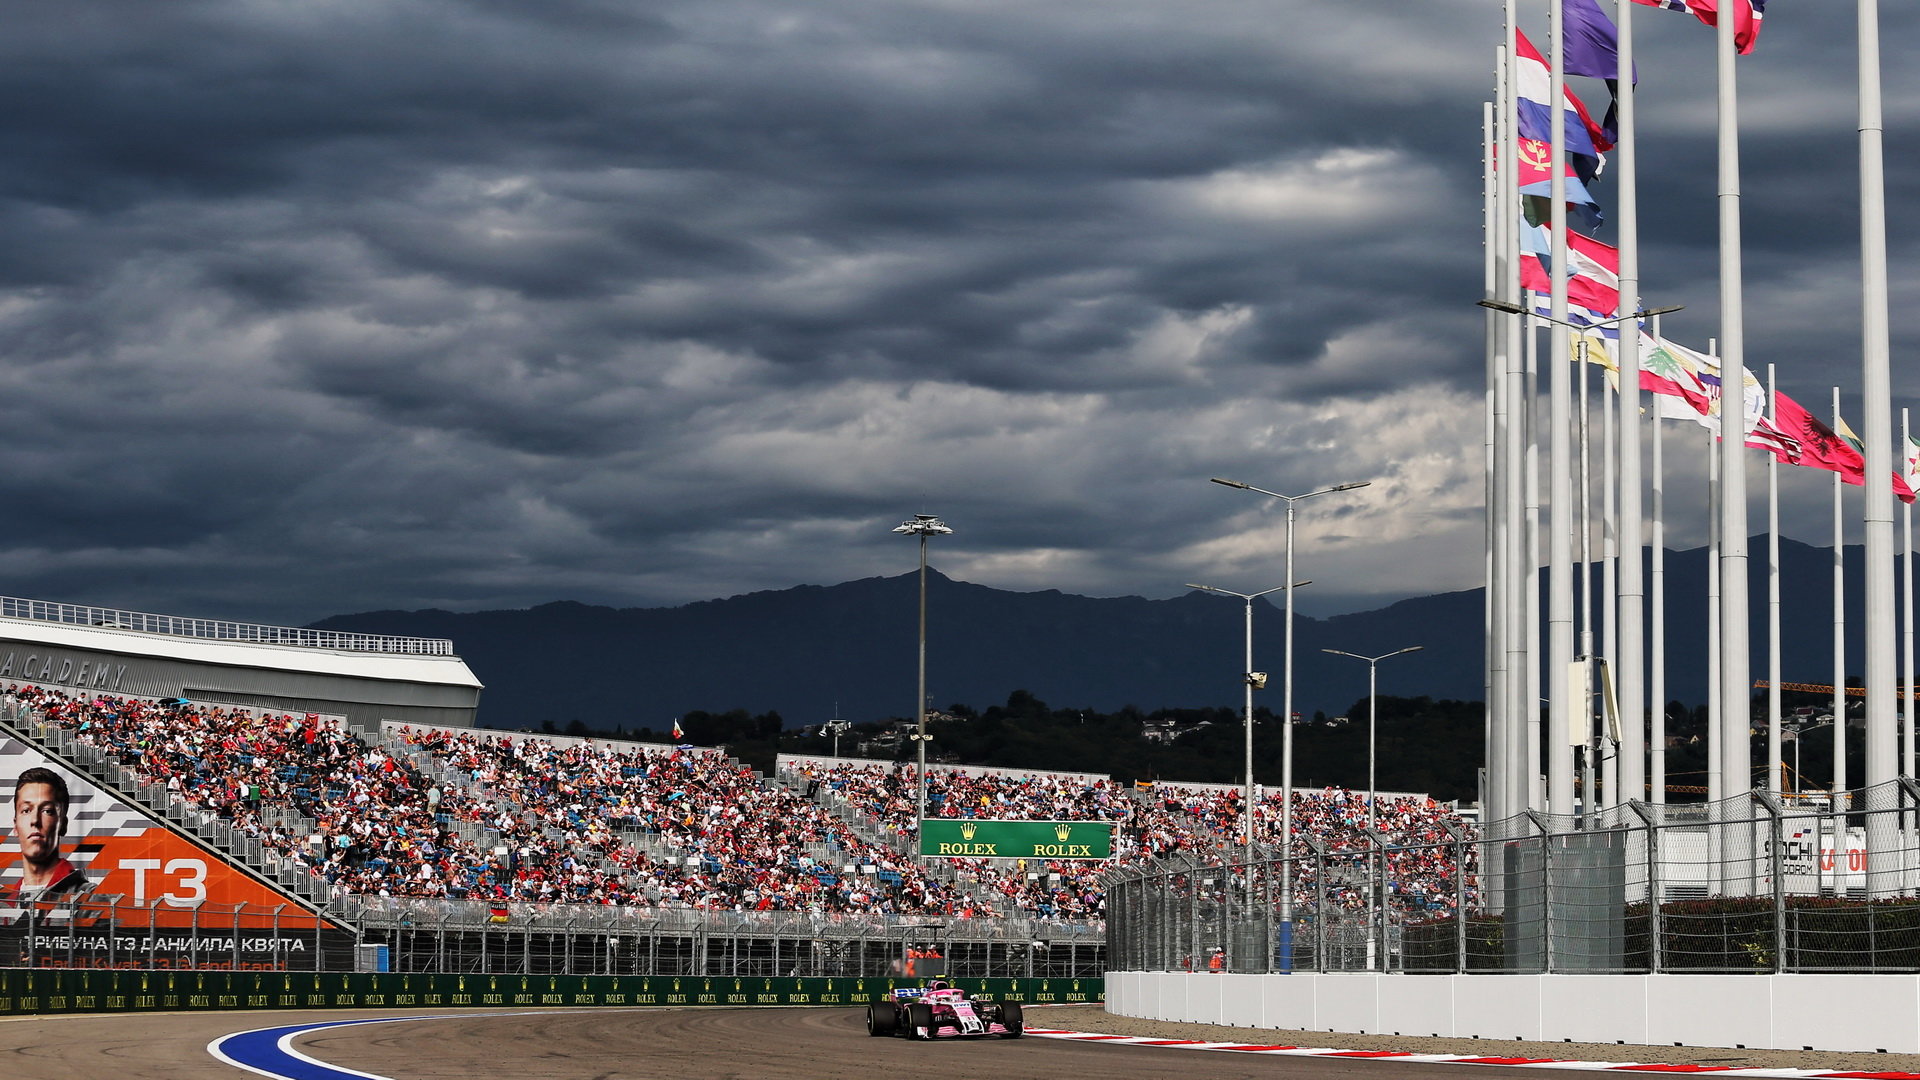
point(466, 814)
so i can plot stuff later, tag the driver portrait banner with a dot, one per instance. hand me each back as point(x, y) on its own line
point(102, 847)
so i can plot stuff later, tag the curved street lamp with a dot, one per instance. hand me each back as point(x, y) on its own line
point(1375, 904)
point(1286, 701)
point(922, 526)
point(1254, 680)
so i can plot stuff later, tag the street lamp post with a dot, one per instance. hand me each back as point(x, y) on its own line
point(923, 526)
point(1286, 713)
point(1373, 718)
point(1253, 680)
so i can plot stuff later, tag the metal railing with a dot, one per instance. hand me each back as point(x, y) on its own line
point(469, 937)
point(1758, 883)
point(13, 607)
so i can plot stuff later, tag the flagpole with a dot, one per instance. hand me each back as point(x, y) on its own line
point(1657, 687)
point(1716, 760)
point(1906, 589)
point(1716, 458)
point(1560, 646)
point(1906, 616)
point(1589, 794)
point(1536, 736)
point(1839, 663)
point(1523, 700)
point(1877, 409)
point(1736, 711)
point(1609, 590)
point(1630, 671)
point(1773, 600)
point(1495, 727)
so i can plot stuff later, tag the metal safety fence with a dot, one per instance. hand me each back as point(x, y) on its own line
point(374, 934)
point(1759, 883)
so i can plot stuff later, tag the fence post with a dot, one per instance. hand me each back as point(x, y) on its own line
point(1459, 836)
point(1376, 901)
point(1319, 902)
point(1270, 931)
point(1646, 815)
point(1776, 866)
point(1546, 889)
point(1911, 790)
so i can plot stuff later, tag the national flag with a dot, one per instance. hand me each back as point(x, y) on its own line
point(1533, 79)
point(1900, 488)
point(677, 733)
point(1670, 369)
point(1688, 386)
point(1913, 462)
point(1820, 446)
point(1766, 436)
point(1535, 176)
point(498, 914)
point(1592, 42)
point(1593, 279)
point(1753, 397)
point(1746, 16)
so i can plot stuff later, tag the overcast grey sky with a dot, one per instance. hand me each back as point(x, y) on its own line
point(322, 306)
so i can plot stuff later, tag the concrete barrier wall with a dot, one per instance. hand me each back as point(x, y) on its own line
point(1790, 1012)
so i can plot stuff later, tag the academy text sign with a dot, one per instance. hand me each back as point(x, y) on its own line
point(967, 838)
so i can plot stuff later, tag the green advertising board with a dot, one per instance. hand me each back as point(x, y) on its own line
point(967, 838)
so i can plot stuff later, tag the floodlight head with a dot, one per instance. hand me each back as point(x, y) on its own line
point(923, 525)
point(1229, 483)
point(1502, 305)
point(1355, 484)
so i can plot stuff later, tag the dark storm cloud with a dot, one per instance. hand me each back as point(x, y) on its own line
point(311, 307)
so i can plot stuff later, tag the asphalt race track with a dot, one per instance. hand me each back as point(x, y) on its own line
point(607, 1044)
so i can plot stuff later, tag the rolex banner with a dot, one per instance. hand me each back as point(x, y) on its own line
point(968, 838)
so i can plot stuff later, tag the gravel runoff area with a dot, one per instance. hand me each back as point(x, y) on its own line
point(1095, 1018)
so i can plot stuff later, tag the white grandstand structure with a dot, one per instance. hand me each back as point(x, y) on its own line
point(361, 678)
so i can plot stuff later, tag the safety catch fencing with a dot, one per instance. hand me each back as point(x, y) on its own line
point(376, 934)
point(1758, 883)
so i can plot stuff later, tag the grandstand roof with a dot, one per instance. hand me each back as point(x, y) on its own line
point(313, 654)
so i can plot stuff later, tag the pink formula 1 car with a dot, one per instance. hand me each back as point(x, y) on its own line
point(940, 1010)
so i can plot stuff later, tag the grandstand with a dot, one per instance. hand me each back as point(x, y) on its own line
point(417, 823)
point(332, 787)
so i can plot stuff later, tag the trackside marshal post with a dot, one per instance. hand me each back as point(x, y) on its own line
point(968, 838)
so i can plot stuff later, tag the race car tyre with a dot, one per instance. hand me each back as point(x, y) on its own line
point(1013, 1018)
point(882, 1019)
point(919, 1021)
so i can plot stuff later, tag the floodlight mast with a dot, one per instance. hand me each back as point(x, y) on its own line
point(923, 526)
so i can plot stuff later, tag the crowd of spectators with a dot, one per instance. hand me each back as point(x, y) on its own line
point(732, 840)
point(474, 815)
